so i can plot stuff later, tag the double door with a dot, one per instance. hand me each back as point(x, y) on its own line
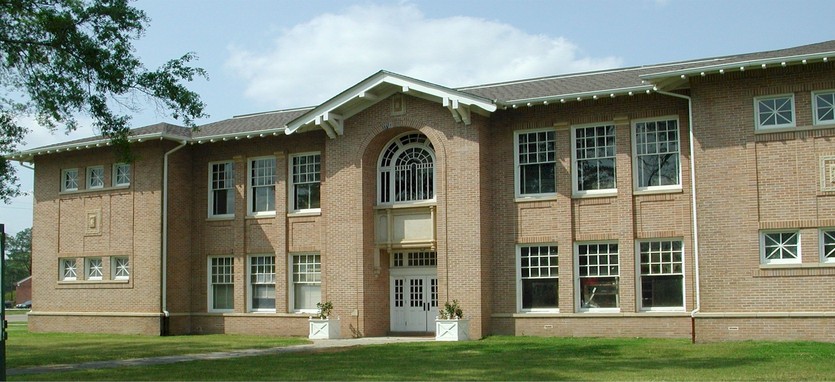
point(414, 302)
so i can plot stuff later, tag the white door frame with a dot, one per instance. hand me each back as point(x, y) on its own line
point(414, 319)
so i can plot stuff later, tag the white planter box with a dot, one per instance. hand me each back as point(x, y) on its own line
point(452, 330)
point(323, 329)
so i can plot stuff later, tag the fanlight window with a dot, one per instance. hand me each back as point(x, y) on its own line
point(407, 170)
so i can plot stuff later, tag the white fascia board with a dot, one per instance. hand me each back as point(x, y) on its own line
point(748, 64)
point(29, 155)
point(605, 93)
point(407, 85)
point(236, 136)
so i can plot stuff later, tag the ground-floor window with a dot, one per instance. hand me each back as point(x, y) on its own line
point(262, 283)
point(306, 281)
point(221, 284)
point(538, 288)
point(599, 274)
point(662, 274)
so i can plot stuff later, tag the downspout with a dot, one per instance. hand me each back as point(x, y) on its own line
point(164, 260)
point(693, 207)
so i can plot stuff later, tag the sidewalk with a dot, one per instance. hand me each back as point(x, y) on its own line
point(316, 345)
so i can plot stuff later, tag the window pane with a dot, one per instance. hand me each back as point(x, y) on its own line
point(662, 291)
point(825, 107)
point(599, 292)
point(223, 296)
point(540, 293)
point(306, 296)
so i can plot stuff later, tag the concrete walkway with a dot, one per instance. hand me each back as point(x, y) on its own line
point(316, 345)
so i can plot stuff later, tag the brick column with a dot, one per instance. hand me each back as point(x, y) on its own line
point(238, 225)
point(280, 232)
point(626, 213)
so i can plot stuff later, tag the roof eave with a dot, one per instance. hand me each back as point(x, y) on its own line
point(29, 155)
point(581, 96)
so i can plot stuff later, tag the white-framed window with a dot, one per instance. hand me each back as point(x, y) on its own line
point(305, 282)
point(121, 174)
point(306, 180)
point(656, 151)
point(538, 278)
point(406, 170)
point(68, 270)
point(827, 236)
point(823, 106)
point(221, 284)
point(598, 270)
point(222, 189)
point(120, 268)
point(594, 170)
point(774, 111)
point(662, 274)
point(95, 177)
point(535, 162)
point(261, 186)
point(780, 247)
point(94, 268)
point(262, 283)
point(69, 179)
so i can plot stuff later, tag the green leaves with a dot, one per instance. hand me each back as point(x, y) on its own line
point(76, 57)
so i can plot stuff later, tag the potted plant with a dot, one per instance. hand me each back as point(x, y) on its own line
point(451, 325)
point(323, 327)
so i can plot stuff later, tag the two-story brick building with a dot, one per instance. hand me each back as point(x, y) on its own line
point(686, 199)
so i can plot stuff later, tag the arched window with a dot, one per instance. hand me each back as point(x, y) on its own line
point(406, 170)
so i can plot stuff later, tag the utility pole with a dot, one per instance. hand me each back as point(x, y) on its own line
point(3, 322)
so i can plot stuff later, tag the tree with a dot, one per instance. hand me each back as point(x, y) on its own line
point(64, 58)
point(18, 258)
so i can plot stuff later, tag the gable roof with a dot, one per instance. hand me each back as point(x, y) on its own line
point(461, 102)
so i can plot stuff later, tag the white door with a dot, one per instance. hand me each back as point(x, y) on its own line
point(414, 303)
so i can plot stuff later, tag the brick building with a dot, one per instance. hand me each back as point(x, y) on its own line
point(685, 199)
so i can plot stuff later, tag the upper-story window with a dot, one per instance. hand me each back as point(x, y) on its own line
point(68, 270)
point(594, 159)
point(121, 174)
point(94, 268)
point(774, 111)
point(306, 180)
point(406, 170)
point(95, 177)
point(828, 245)
point(535, 162)
point(823, 104)
point(657, 163)
point(69, 179)
point(262, 186)
point(222, 189)
point(780, 247)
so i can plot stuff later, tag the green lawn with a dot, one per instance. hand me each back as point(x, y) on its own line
point(15, 312)
point(495, 358)
point(24, 349)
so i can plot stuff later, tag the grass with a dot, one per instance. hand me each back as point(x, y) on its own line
point(24, 349)
point(15, 312)
point(504, 358)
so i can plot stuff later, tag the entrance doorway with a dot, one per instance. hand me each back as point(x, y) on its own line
point(414, 292)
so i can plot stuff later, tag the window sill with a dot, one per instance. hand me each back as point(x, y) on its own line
point(792, 129)
point(261, 216)
point(653, 191)
point(528, 199)
point(220, 218)
point(92, 282)
point(795, 270)
point(304, 213)
point(405, 205)
point(594, 194)
point(93, 190)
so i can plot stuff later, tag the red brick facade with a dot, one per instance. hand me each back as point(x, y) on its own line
point(747, 182)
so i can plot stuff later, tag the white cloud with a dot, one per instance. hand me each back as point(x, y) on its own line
point(313, 61)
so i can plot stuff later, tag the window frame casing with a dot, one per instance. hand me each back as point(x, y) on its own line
point(251, 188)
point(117, 175)
point(90, 178)
point(210, 307)
point(815, 106)
point(211, 189)
point(389, 189)
point(763, 258)
point(520, 279)
point(636, 162)
point(758, 123)
point(250, 283)
point(577, 283)
point(291, 190)
point(291, 295)
point(63, 266)
point(575, 169)
point(115, 268)
point(640, 275)
point(64, 173)
point(517, 166)
point(827, 239)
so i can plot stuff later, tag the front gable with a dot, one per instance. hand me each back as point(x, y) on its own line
point(331, 115)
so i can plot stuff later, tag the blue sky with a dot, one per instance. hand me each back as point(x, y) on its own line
point(270, 54)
